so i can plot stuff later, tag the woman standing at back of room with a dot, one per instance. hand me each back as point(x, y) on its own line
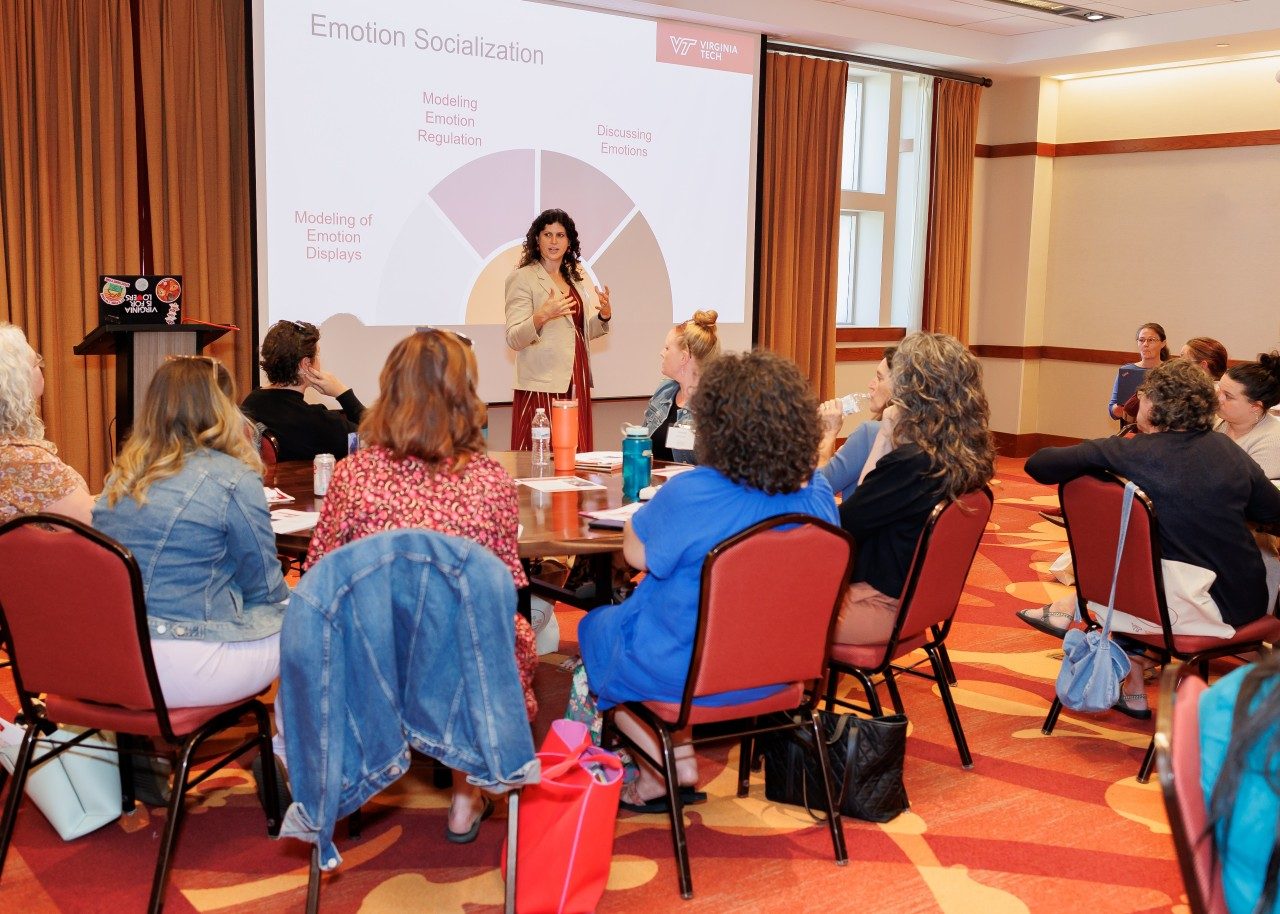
point(1152, 351)
point(552, 314)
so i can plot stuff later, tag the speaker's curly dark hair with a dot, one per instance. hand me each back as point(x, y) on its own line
point(569, 267)
point(757, 421)
point(1182, 397)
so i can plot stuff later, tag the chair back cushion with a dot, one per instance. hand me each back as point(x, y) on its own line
point(71, 599)
point(1091, 508)
point(942, 561)
point(769, 597)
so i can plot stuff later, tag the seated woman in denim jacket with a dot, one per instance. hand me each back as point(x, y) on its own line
point(688, 349)
point(423, 465)
point(186, 497)
point(757, 449)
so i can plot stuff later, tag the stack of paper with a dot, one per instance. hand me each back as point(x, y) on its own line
point(615, 518)
point(599, 461)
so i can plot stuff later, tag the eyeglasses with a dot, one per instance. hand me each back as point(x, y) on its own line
point(205, 359)
point(302, 326)
point(1150, 339)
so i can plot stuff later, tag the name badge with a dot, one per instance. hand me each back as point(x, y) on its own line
point(680, 438)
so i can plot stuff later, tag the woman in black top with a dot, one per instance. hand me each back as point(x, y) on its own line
point(1202, 485)
point(942, 449)
point(291, 360)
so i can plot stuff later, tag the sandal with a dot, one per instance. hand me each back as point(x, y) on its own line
point(688, 797)
point(1046, 619)
point(466, 837)
point(1134, 706)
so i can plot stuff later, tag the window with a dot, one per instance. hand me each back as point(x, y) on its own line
point(884, 188)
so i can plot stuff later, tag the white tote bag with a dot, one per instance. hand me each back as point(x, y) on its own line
point(79, 791)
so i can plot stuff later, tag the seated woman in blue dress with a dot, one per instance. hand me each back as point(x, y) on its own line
point(756, 446)
point(1239, 758)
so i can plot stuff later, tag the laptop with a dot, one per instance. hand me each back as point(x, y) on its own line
point(1130, 378)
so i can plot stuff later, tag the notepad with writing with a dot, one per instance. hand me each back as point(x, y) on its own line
point(613, 518)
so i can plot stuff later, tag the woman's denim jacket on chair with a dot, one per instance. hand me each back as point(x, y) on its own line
point(204, 544)
point(656, 413)
point(401, 639)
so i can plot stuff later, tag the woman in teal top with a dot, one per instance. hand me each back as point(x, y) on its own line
point(1240, 774)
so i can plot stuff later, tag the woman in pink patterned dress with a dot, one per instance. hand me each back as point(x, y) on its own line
point(32, 478)
point(423, 465)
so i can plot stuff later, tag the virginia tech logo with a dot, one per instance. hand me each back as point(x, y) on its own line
point(682, 45)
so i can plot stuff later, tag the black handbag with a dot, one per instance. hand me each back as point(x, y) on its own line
point(866, 756)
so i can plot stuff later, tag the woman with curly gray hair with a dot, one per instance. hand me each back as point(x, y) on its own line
point(757, 448)
point(32, 478)
point(1203, 487)
point(937, 446)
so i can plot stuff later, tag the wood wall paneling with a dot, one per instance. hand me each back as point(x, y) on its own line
point(1137, 144)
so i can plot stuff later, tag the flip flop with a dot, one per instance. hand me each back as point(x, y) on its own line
point(688, 797)
point(1042, 619)
point(466, 837)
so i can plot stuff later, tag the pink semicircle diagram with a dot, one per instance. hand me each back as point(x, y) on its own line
point(479, 213)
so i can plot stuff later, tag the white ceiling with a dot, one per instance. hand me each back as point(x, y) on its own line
point(991, 38)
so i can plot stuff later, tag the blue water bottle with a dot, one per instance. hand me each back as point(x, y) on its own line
point(637, 460)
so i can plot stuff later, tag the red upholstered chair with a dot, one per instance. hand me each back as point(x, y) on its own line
point(269, 448)
point(935, 581)
point(1091, 506)
point(72, 602)
point(783, 576)
point(1178, 765)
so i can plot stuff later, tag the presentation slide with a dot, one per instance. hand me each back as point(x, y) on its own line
point(404, 148)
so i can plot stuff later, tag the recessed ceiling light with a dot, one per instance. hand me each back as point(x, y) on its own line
point(1094, 17)
point(1222, 44)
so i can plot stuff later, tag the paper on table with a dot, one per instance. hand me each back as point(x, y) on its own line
point(600, 457)
point(276, 496)
point(613, 517)
point(560, 484)
point(668, 472)
point(289, 520)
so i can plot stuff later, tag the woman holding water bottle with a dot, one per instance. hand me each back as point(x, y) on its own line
point(552, 312)
point(422, 464)
point(846, 468)
point(688, 348)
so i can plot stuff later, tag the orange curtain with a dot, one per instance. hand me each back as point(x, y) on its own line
point(68, 199)
point(800, 212)
point(946, 274)
point(69, 184)
point(197, 126)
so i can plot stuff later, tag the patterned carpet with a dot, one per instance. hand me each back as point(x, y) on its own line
point(1039, 824)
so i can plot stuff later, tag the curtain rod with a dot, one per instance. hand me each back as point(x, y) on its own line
point(828, 54)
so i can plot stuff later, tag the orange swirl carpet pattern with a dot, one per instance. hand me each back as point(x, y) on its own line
point(1040, 824)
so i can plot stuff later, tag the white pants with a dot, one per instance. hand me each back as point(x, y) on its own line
point(196, 674)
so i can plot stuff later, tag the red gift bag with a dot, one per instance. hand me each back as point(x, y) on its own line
point(565, 842)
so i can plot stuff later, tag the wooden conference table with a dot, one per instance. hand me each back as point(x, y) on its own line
point(551, 522)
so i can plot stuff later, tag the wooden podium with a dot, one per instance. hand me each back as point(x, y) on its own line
point(139, 350)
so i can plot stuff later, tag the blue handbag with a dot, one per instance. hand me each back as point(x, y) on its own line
point(1093, 666)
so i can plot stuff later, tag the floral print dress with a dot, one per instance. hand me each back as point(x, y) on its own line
point(373, 490)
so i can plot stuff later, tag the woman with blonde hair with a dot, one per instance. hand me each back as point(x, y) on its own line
point(941, 448)
point(423, 464)
point(688, 348)
point(32, 478)
point(186, 497)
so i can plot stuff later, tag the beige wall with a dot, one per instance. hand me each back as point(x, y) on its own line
point(1078, 250)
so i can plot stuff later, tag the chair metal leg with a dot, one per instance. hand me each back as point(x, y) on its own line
point(744, 765)
point(676, 812)
point(891, 684)
point(1051, 720)
point(833, 681)
point(270, 786)
point(1148, 762)
point(869, 687)
point(953, 715)
point(313, 881)
point(177, 803)
point(513, 843)
point(1204, 669)
point(946, 660)
point(18, 783)
point(834, 822)
point(127, 799)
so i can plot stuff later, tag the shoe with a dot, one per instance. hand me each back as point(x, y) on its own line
point(1134, 706)
point(1046, 619)
point(688, 797)
point(1053, 516)
point(283, 794)
point(466, 837)
point(151, 776)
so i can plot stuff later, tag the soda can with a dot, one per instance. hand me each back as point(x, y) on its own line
point(322, 472)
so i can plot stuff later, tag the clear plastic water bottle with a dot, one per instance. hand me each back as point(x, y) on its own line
point(853, 403)
point(540, 434)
